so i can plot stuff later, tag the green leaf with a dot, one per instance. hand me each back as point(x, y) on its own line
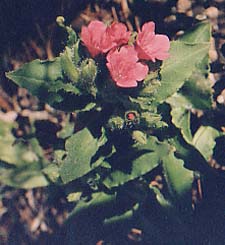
point(180, 112)
point(178, 178)
point(17, 152)
point(199, 33)
point(204, 140)
point(23, 176)
point(161, 199)
point(60, 85)
point(67, 129)
point(80, 147)
point(191, 156)
point(46, 78)
point(52, 172)
point(183, 61)
point(136, 162)
point(98, 199)
point(198, 91)
point(74, 196)
point(38, 76)
point(129, 214)
point(90, 106)
point(20, 161)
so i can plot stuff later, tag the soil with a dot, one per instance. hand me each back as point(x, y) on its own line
point(28, 31)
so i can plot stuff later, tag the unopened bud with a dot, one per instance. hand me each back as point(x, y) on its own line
point(115, 123)
point(152, 120)
point(70, 70)
point(139, 137)
point(60, 21)
point(88, 75)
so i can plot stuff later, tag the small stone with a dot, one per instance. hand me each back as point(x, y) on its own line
point(198, 9)
point(170, 18)
point(212, 12)
point(183, 6)
point(213, 55)
point(200, 17)
point(220, 99)
point(189, 13)
point(217, 166)
point(180, 33)
point(212, 78)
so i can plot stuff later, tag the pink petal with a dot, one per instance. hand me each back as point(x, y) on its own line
point(126, 84)
point(97, 27)
point(119, 33)
point(129, 53)
point(141, 71)
point(160, 46)
point(113, 56)
point(142, 55)
point(150, 46)
point(92, 35)
point(85, 36)
point(161, 42)
point(148, 27)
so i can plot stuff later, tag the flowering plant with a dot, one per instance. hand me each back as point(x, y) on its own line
point(133, 94)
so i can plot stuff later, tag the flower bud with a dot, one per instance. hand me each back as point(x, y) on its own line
point(152, 120)
point(69, 69)
point(72, 36)
point(60, 21)
point(115, 123)
point(87, 76)
point(139, 137)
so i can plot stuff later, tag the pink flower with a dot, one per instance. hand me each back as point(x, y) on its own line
point(118, 34)
point(151, 46)
point(95, 39)
point(98, 38)
point(124, 67)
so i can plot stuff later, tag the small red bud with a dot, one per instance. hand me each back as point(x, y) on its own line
point(131, 116)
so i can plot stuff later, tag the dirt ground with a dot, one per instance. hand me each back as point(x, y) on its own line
point(28, 31)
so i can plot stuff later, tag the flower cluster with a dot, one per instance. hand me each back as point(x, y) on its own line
point(124, 60)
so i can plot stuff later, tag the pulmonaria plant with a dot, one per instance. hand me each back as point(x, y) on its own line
point(123, 60)
point(133, 115)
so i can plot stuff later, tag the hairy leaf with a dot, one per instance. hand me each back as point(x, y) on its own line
point(204, 140)
point(38, 76)
point(23, 176)
point(197, 89)
point(199, 33)
point(122, 217)
point(136, 162)
point(20, 162)
point(183, 61)
point(179, 178)
point(97, 199)
point(80, 147)
point(17, 152)
point(180, 112)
